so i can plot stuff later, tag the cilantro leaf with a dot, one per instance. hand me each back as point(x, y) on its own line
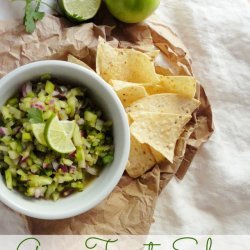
point(38, 16)
point(35, 115)
point(32, 15)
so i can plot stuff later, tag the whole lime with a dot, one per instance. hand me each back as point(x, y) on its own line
point(132, 11)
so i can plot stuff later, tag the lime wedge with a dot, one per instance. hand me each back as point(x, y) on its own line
point(56, 137)
point(38, 131)
point(80, 10)
point(69, 127)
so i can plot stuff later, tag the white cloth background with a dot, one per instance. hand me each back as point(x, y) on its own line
point(214, 197)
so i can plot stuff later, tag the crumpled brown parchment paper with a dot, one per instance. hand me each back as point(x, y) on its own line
point(130, 207)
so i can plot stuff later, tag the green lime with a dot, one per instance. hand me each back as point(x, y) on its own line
point(38, 131)
point(80, 10)
point(69, 127)
point(56, 137)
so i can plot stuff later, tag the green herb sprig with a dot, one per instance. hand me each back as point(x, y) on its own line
point(32, 15)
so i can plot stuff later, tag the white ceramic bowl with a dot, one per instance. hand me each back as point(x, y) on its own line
point(107, 100)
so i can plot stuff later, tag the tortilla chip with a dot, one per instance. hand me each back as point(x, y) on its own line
point(124, 64)
point(158, 156)
point(75, 60)
point(165, 103)
point(182, 85)
point(159, 130)
point(140, 159)
point(153, 89)
point(128, 92)
point(153, 54)
point(163, 71)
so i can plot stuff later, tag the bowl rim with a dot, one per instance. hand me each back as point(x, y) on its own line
point(124, 156)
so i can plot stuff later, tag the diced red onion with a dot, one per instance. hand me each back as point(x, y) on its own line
point(72, 155)
point(55, 93)
point(63, 89)
point(52, 101)
point(38, 192)
point(80, 121)
point(26, 89)
point(55, 165)
point(39, 105)
point(16, 161)
point(91, 170)
point(72, 169)
point(16, 129)
point(23, 165)
point(45, 165)
point(23, 159)
point(64, 168)
point(67, 192)
point(3, 131)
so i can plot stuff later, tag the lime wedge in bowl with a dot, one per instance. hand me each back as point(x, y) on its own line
point(69, 127)
point(80, 10)
point(56, 137)
point(38, 131)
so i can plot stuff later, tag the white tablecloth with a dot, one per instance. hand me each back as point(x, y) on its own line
point(214, 197)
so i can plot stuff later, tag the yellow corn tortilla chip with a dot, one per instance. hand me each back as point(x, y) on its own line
point(124, 64)
point(163, 71)
point(159, 130)
point(166, 103)
point(153, 54)
point(151, 88)
point(129, 92)
point(140, 159)
point(75, 60)
point(182, 85)
point(158, 156)
point(121, 84)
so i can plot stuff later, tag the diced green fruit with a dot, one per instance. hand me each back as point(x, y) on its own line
point(13, 101)
point(90, 118)
point(8, 161)
point(66, 177)
point(99, 124)
point(80, 156)
point(50, 190)
point(77, 185)
point(49, 87)
point(55, 196)
point(67, 162)
point(34, 168)
point(23, 176)
point(38, 181)
point(72, 105)
point(47, 114)
point(6, 113)
point(8, 179)
point(15, 112)
point(26, 137)
point(107, 159)
point(13, 154)
point(77, 137)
